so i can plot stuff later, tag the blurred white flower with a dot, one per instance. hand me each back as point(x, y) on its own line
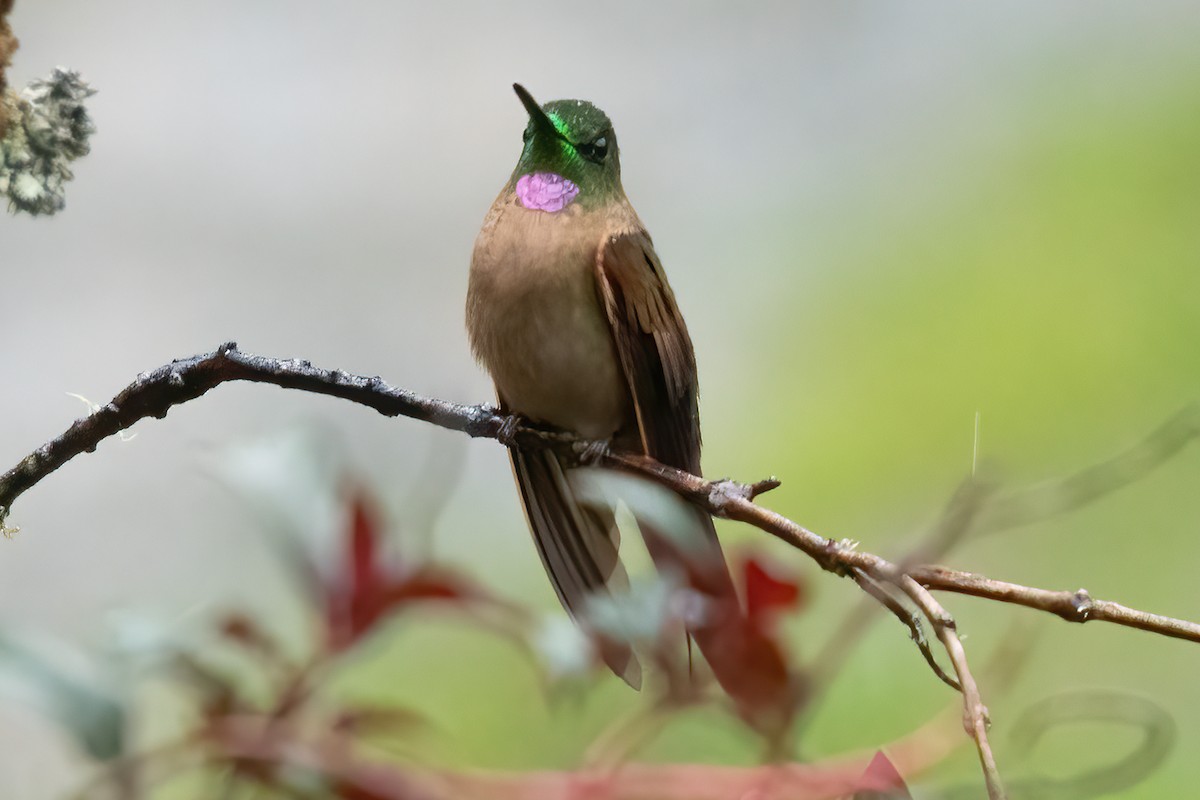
point(564, 649)
point(292, 479)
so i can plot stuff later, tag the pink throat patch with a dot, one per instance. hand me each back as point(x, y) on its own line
point(545, 191)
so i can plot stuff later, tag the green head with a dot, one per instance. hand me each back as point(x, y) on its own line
point(570, 154)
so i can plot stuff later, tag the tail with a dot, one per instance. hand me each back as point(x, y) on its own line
point(578, 544)
point(745, 660)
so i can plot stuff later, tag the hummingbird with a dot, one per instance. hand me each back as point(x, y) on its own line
point(569, 310)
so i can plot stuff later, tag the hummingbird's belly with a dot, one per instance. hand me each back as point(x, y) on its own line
point(560, 367)
point(536, 324)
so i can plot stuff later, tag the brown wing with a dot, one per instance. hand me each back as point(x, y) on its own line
point(660, 366)
point(654, 348)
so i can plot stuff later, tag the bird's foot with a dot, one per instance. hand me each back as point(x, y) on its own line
point(509, 425)
point(593, 452)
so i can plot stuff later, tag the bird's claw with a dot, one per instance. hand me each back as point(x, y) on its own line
point(594, 452)
point(507, 434)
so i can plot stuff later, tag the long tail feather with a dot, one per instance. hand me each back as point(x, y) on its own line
point(577, 544)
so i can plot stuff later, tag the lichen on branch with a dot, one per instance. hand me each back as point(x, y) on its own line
point(48, 127)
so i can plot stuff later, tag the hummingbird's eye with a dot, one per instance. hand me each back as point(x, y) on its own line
point(527, 134)
point(594, 150)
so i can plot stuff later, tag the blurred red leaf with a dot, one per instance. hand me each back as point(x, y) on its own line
point(752, 668)
point(766, 593)
point(370, 586)
point(352, 592)
point(346, 790)
point(747, 660)
point(366, 571)
point(881, 781)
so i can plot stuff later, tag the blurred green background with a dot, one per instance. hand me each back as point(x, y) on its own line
point(879, 219)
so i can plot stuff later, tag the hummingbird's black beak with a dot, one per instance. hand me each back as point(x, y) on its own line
point(536, 114)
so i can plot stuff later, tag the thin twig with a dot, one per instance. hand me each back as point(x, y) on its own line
point(975, 713)
point(878, 592)
point(953, 523)
point(1078, 606)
